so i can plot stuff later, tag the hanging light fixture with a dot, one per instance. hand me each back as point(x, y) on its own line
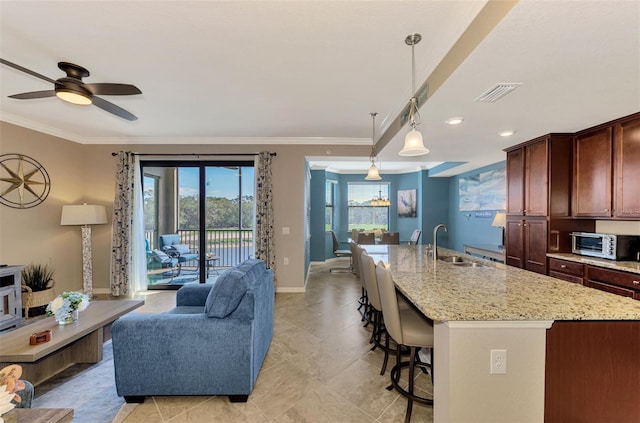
point(380, 200)
point(413, 145)
point(373, 174)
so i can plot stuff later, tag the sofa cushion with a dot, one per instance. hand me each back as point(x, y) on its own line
point(230, 287)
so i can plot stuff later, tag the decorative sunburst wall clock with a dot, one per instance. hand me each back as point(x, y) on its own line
point(24, 183)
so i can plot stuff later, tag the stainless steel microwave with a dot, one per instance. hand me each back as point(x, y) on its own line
point(607, 246)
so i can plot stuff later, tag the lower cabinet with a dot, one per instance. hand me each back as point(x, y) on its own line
point(620, 283)
point(566, 270)
point(526, 242)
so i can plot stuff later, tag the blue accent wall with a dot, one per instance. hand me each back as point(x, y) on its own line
point(437, 203)
point(465, 227)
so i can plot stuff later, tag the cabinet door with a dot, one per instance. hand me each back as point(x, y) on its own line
point(515, 182)
point(535, 245)
point(514, 243)
point(627, 169)
point(593, 174)
point(536, 185)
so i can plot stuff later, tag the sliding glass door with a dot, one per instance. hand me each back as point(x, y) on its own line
point(200, 214)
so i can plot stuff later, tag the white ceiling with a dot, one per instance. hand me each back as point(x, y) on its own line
point(278, 72)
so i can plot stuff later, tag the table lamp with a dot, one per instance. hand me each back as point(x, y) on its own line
point(500, 221)
point(85, 215)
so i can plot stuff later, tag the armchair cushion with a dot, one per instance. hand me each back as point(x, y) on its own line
point(231, 286)
point(161, 256)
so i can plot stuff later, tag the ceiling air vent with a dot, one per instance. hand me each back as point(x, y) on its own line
point(498, 91)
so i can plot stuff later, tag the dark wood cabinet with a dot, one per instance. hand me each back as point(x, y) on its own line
point(626, 165)
point(526, 244)
point(566, 270)
point(621, 283)
point(592, 177)
point(538, 188)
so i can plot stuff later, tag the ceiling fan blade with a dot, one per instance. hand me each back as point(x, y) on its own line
point(112, 89)
point(112, 108)
point(34, 94)
point(27, 71)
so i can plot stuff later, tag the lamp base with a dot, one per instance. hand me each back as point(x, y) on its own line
point(87, 271)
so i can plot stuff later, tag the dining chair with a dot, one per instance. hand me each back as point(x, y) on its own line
point(415, 236)
point(366, 238)
point(390, 238)
point(340, 253)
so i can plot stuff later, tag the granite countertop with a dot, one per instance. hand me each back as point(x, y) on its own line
point(448, 292)
point(624, 266)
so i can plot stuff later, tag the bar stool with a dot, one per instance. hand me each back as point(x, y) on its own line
point(408, 328)
point(355, 254)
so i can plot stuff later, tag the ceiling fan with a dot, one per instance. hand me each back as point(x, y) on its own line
point(71, 89)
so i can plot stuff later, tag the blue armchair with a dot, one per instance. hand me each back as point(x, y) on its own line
point(212, 343)
point(171, 244)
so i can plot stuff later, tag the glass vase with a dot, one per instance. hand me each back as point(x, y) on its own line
point(71, 318)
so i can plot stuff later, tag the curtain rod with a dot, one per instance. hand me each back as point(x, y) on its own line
point(196, 154)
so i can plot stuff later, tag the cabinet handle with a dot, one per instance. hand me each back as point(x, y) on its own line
point(636, 282)
point(524, 224)
point(606, 210)
point(563, 266)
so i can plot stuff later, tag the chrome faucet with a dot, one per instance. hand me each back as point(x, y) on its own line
point(435, 240)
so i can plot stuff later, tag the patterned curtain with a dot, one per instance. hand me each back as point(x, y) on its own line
point(264, 211)
point(128, 269)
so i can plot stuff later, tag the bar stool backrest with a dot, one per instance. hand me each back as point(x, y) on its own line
point(368, 269)
point(355, 254)
point(389, 302)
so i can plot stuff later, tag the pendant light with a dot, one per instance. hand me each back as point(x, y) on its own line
point(373, 174)
point(413, 145)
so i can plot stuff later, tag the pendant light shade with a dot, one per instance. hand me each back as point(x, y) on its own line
point(373, 174)
point(413, 144)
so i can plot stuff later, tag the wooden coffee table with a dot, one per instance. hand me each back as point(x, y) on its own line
point(39, 415)
point(79, 342)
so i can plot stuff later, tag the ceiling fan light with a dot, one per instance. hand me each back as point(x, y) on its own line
point(73, 97)
point(413, 145)
point(373, 174)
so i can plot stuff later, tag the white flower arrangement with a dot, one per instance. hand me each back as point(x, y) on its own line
point(5, 401)
point(66, 303)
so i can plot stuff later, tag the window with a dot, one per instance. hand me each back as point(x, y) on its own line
point(364, 215)
point(329, 198)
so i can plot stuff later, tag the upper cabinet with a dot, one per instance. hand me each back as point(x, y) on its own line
point(626, 180)
point(606, 180)
point(539, 177)
point(592, 173)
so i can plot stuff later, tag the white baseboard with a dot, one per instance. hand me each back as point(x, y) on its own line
point(290, 290)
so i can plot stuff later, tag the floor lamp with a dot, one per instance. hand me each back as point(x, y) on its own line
point(85, 215)
point(500, 221)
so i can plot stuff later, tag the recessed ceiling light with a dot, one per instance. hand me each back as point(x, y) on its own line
point(506, 133)
point(454, 121)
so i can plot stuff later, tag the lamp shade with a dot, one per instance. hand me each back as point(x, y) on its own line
point(500, 220)
point(83, 215)
point(373, 174)
point(413, 145)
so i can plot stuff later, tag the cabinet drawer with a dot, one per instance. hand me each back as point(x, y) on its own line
point(566, 277)
point(623, 279)
point(564, 266)
point(611, 288)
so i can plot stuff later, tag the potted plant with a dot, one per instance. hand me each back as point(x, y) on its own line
point(37, 288)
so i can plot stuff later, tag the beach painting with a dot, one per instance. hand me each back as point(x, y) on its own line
point(483, 191)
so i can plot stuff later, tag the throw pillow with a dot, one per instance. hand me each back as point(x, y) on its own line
point(181, 248)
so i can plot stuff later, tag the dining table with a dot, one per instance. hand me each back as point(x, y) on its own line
point(480, 307)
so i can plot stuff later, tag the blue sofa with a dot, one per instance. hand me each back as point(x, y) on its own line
point(212, 343)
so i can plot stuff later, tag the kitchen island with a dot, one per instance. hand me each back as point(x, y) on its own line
point(491, 306)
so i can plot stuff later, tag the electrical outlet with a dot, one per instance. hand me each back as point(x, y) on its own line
point(285, 230)
point(286, 260)
point(498, 362)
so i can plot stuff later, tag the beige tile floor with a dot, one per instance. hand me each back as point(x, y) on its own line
point(319, 367)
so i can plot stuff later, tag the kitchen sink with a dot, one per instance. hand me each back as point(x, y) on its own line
point(452, 259)
point(460, 261)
